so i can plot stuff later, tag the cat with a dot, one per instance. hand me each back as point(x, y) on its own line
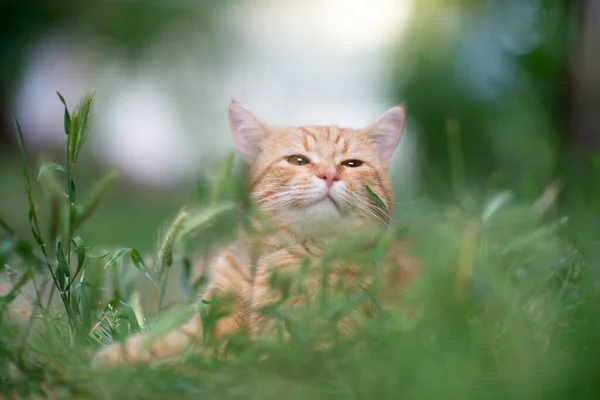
point(310, 184)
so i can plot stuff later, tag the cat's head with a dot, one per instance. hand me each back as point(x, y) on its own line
point(312, 179)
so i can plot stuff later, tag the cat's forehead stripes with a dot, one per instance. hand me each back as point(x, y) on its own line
point(319, 138)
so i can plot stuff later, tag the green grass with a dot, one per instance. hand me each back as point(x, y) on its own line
point(508, 306)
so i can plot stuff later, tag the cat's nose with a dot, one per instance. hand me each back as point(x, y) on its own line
point(329, 177)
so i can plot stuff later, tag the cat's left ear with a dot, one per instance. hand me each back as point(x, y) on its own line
point(248, 131)
point(386, 132)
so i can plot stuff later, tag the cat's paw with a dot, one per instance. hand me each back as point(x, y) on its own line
point(108, 356)
point(137, 349)
point(130, 352)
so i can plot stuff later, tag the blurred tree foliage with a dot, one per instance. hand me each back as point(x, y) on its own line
point(125, 26)
point(484, 81)
point(504, 95)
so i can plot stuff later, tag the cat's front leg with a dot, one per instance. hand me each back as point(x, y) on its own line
point(228, 297)
point(137, 350)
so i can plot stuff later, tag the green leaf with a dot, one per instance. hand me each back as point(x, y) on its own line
point(67, 116)
point(138, 261)
point(72, 192)
point(81, 253)
point(377, 200)
point(136, 306)
point(126, 312)
point(33, 219)
point(63, 275)
point(116, 257)
point(203, 317)
point(80, 301)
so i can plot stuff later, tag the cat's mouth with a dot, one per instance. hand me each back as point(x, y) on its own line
point(328, 199)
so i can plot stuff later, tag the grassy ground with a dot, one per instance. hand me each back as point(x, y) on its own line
point(507, 308)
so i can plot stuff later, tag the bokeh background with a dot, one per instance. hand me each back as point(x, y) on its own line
point(497, 183)
point(502, 95)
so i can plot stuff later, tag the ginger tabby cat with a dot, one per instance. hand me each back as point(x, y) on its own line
point(309, 182)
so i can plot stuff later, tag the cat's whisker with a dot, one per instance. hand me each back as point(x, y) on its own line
point(276, 196)
point(371, 209)
point(285, 197)
point(365, 207)
point(401, 203)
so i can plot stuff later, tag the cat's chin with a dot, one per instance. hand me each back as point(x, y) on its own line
point(322, 218)
point(326, 205)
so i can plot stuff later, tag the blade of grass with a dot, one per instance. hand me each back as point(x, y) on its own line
point(164, 256)
point(33, 219)
point(377, 200)
point(67, 118)
point(5, 226)
point(50, 165)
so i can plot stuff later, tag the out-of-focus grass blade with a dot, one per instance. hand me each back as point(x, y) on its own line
point(339, 308)
point(24, 154)
point(138, 261)
point(204, 317)
point(14, 292)
point(54, 192)
point(5, 226)
point(185, 276)
point(116, 257)
point(33, 219)
point(136, 306)
point(34, 227)
point(85, 305)
point(377, 200)
point(92, 197)
point(496, 203)
point(7, 247)
point(221, 179)
point(72, 193)
point(24, 250)
point(164, 254)
point(62, 273)
point(201, 218)
point(349, 246)
point(82, 260)
point(48, 166)
point(171, 321)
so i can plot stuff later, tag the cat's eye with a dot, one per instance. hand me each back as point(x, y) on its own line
point(298, 160)
point(352, 163)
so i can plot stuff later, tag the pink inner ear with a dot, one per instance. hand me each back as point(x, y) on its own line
point(386, 132)
point(247, 130)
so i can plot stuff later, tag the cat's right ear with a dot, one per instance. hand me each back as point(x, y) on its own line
point(248, 131)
